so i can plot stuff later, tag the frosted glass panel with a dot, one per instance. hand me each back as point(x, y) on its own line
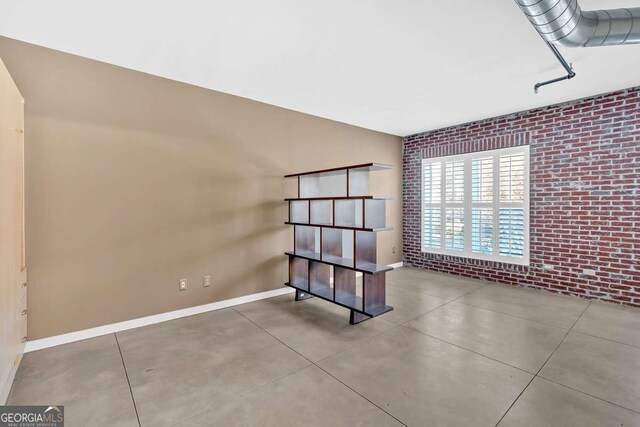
point(359, 182)
point(299, 211)
point(375, 213)
point(322, 212)
point(349, 213)
point(307, 239)
point(332, 184)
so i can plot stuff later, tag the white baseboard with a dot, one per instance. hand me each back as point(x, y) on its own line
point(157, 318)
point(149, 320)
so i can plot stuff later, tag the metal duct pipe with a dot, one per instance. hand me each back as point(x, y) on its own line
point(563, 23)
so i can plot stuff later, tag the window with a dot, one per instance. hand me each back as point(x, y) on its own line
point(476, 205)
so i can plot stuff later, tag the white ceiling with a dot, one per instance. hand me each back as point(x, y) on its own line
point(397, 66)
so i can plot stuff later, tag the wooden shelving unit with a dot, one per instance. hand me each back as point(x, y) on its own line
point(335, 222)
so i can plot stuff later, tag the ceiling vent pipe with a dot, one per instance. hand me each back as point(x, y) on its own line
point(563, 23)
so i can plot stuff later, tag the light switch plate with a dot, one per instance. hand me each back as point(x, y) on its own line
point(183, 285)
point(206, 282)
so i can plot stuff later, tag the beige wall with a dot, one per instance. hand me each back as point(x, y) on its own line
point(12, 268)
point(135, 181)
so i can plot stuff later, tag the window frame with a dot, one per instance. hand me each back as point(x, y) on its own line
point(468, 205)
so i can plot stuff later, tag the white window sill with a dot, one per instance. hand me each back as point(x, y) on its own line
point(524, 261)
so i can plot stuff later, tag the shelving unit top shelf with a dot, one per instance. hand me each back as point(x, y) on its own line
point(288, 199)
point(340, 227)
point(368, 166)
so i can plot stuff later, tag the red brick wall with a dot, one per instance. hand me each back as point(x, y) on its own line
point(585, 195)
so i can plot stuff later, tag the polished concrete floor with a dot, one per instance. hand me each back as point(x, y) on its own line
point(454, 352)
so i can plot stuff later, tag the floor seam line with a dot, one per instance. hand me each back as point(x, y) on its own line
point(440, 306)
point(579, 317)
point(606, 339)
point(515, 400)
point(405, 325)
point(383, 332)
point(469, 350)
point(513, 315)
point(126, 374)
point(242, 395)
point(356, 392)
point(319, 367)
point(563, 339)
point(435, 296)
point(395, 326)
point(564, 385)
point(588, 394)
point(544, 364)
point(420, 315)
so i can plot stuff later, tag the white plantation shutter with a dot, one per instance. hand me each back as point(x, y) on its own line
point(482, 180)
point(512, 178)
point(512, 232)
point(476, 205)
point(432, 224)
point(482, 230)
point(454, 205)
point(454, 229)
point(482, 205)
point(432, 211)
point(512, 221)
point(454, 182)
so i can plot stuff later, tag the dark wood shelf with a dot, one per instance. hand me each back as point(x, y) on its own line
point(306, 224)
point(293, 199)
point(361, 267)
point(330, 299)
point(380, 310)
point(341, 227)
point(338, 261)
point(351, 302)
point(324, 292)
point(302, 285)
point(369, 166)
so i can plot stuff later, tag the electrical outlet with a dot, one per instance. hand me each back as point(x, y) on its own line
point(207, 281)
point(183, 285)
point(393, 251)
